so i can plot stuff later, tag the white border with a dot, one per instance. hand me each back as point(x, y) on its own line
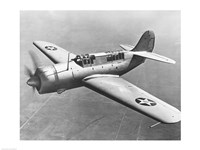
point(10, 72)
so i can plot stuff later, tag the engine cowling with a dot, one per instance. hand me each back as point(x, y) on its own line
point(47, 79)
point(54, 77)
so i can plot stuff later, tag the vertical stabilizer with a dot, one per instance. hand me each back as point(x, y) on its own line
point(146, 42)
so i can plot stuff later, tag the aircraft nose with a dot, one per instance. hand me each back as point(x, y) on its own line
point(33, 81)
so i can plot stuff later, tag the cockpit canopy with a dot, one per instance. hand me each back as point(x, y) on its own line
point(88, 60)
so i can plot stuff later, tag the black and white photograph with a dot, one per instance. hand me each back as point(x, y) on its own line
point(100, 75)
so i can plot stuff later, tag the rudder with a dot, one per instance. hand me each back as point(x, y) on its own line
point(146, 42)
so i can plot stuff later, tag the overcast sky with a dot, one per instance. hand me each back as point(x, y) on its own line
point(103, 29)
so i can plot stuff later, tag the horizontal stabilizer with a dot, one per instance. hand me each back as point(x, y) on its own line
point(127, 47)
point(154, 56)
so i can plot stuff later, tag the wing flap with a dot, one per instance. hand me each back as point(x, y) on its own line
point(54, 52)
point(133, 97)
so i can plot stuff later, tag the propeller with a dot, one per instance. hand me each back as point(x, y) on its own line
point(27, 71)
point(33, 80)
point(35, 59)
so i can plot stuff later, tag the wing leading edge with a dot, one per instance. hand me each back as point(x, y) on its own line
point(129, 95)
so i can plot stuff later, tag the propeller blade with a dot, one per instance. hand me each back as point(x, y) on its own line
point(35, 59)
point(27, 71)
point(33, 80)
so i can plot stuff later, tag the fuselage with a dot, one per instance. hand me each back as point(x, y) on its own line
point(64, 76)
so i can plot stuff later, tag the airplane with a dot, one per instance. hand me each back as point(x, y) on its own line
point(101, 72)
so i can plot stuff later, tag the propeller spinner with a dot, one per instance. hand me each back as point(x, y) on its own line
point(33, 81)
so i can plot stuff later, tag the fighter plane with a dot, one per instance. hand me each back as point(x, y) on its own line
point(101, 72)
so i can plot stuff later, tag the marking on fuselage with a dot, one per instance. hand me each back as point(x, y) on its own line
point(145, 101)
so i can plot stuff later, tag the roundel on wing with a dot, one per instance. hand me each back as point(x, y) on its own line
point(145, 101)
point(51, 48)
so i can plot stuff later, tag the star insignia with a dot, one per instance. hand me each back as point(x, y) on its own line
point(51, 48)
point(145, 102)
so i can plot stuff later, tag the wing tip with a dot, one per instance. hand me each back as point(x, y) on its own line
point(170, 61)
point(36, 43)
point(174, 118)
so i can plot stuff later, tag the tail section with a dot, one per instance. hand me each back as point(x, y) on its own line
point(145, 47)
point(146, 42)
point(143, 50)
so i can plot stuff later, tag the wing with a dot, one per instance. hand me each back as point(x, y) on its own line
point(54, 52)
point(129, 95)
